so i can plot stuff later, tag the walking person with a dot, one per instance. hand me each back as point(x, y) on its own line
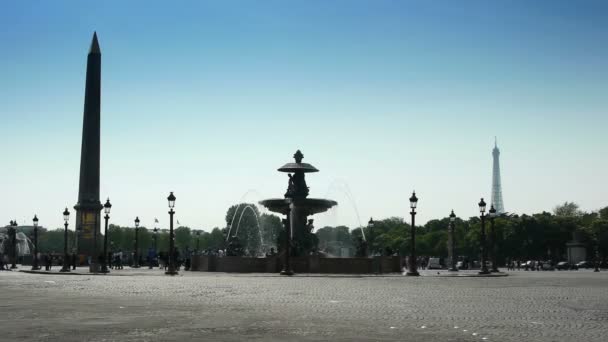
point(110, 264)
point(119, 259)
point(74, 258)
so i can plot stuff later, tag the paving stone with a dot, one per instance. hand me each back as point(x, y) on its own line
point(146, 305)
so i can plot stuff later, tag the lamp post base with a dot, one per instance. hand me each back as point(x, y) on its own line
point(287, 272)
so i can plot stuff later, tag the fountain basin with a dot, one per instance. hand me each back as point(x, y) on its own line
point(309, 206)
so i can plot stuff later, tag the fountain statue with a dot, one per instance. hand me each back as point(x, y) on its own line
point(296, 205)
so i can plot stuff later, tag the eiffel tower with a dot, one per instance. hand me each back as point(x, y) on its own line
point(496, 185)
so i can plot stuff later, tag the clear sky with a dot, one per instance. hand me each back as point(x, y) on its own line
point(208, 98)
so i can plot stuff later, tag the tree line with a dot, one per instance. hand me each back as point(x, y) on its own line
point(537, 236)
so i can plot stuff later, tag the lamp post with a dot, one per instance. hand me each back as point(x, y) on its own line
point(287, 270)
point(136, 247)
point(413, 268)
point(13, 236)
point(155, 236)
point(66, 263)
point(370, 229)
point(597, 259)
point(106, 210)
point(198, 240)
point(493, 257)
point(484, 256)
point(35, 259)
point(171, 270)
point(452, 239)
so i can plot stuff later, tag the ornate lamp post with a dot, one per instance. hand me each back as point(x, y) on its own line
point(66, 263)
point(370, 229)
point(171, 269)
point(413, 268)
point(597, 251)
point(136, 247)
point(484, 256)
point(287, 270)
point(155, 236)
point(35, 258)
point(452, 239)
point(198, 240)
point(493, 257)
point(13, 235)
point(106, 210)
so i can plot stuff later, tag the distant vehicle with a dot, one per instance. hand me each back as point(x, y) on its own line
point(564, 265)
point(461, 265)
point(547, 266)
point(584, 264)
point(529, 265)
point(434, 264)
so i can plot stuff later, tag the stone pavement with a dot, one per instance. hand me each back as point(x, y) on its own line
point(149, 306)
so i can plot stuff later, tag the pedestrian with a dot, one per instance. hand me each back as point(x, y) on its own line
point(119, 259)
point(74, 257)
point(50, 262)
point(151, 257)
point(110, 260)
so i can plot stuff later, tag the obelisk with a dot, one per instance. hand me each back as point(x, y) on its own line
point(88, 208)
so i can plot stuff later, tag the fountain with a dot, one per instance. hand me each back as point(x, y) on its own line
point(299, 250)
point(296, 205)
point(22, 243)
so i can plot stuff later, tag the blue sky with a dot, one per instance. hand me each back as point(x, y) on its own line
point(208, 98)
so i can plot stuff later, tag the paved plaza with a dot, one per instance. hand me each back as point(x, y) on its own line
point(145, 305)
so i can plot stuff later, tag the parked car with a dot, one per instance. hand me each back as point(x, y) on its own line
point(585, 264)
point(547, 266)
point(564, 265)
point(461, 265)
point(434, 264)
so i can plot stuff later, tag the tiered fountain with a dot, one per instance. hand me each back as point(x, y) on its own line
point(296, 205)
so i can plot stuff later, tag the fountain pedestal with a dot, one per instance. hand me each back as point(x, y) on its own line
point(296, 206)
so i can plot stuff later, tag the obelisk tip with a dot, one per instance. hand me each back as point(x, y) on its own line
point(94, 44)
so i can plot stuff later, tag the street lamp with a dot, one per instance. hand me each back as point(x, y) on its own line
point(106, 210)
point(287, 270)
point(35, 259)
point(171, 270)
point(66, 263)
point(370, 229)
point(484, 257)
point(413, 269)
point(493, 258)
point(13, 236)
point(452, 243)
point(155, 230)
point(198, 238)
point(136, 251)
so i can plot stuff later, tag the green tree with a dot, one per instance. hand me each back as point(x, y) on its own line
point(568, 209)
point(246, 227)
point(183, 238)
point(332, 239)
